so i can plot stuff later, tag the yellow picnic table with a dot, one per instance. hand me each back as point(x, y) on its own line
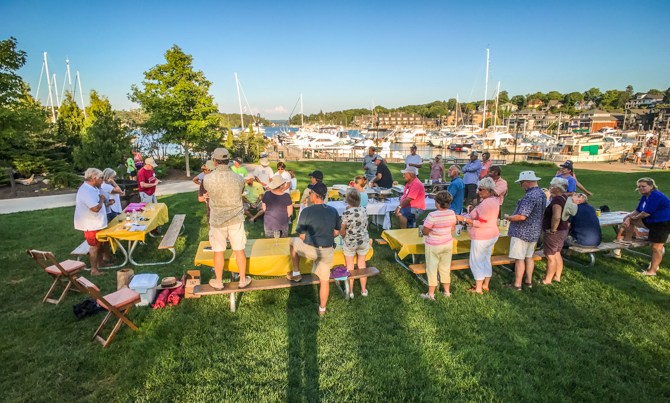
point(264, 258)
point(295, 196)
point(407, 242)
point(118, 231)
point(333, 194)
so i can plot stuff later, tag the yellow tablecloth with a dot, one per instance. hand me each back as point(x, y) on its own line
point(117, 230)
point(264, 258)
point(333, 194)
point(295, 196)
point(408, 242)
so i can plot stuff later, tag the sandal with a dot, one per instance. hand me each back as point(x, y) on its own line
point(485, 288)
point(216, 285)
point(426, 296)
point(246, 282)
point(474, 290)
point(511, 285)
point(321, 313)
point(446, 294)
point(529, 285)
point(646, 273)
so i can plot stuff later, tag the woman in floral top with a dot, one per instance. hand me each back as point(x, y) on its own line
point(354, 231)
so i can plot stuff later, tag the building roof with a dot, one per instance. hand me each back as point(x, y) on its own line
point(554, 102)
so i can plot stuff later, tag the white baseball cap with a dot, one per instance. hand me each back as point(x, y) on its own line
point(527, 176)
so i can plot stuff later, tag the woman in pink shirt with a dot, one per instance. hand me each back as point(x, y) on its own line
point(484, 234)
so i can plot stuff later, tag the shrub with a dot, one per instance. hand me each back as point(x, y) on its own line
point(27, 165)
point(4, 177)
point(179, 162)
point(62, 180)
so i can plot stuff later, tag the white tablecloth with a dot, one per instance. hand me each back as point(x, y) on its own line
point(377, 209)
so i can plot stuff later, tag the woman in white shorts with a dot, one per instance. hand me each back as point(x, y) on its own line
point(354, 231)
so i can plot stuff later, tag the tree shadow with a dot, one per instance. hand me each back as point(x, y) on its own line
point(303, 326)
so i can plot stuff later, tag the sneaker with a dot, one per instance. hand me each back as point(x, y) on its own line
point(615, 253)
point(351, 295)
point(291, 277)
point(365, 294)
point(321, 313)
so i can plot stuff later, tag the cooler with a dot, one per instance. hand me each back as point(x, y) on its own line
point(145, 284)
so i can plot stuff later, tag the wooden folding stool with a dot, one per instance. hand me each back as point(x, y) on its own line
point(57, 271)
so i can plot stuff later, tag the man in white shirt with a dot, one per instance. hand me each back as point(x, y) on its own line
point(413, 160)
point(263, 173)
point(90, 217)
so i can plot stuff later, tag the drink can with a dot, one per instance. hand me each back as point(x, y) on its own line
point(458, 230)
point(598, 212)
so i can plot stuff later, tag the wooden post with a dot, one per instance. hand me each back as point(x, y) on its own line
point(10, 173)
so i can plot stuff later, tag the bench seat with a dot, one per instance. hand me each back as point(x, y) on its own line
point(607, 246)
point(170, 237)
point(274, 283)
point(462, 264)
point(81, 250)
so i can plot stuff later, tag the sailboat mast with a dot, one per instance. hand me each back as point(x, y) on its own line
point(237, 83)
point(497, 97)
point(486, 89)
point(81, 94)
point(56, 91)
point(53, 113)
point(456, 116)
point(302, 114)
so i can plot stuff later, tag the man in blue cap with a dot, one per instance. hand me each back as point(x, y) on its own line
point(317, 176)
point(318, 225)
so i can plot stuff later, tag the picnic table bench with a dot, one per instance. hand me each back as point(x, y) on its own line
point(462, 264)
point(81, 250)
point(274, 283)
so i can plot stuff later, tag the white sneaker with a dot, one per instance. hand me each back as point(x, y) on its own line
point(365, 294)
point(351, 295)
point(615, 253)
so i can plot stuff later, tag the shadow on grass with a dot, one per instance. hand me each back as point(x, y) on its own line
point(302, 321)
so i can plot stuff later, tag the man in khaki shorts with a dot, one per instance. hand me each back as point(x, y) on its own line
point(226, 220)
point(525, 227)
point(318, 225)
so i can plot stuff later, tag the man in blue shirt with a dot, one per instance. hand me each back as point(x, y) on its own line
point(566, 173)
point(585, 225)
point(318, 225)
point(456, 189)
point(471, 177)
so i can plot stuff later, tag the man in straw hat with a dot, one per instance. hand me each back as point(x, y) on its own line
point(263, 172)
point(525, 227)
point(226, 221)
point(318, 225)
point(146, 178)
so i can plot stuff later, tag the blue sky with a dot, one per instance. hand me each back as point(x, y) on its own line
point(342, 55)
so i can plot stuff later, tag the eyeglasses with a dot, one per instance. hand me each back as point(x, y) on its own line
point(480, 189)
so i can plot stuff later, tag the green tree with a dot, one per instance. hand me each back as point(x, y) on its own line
point(23, 123)
point(538, 95)
point(621, 99)
point(503, 98)
point(555, 96)
point(654, 92)
point(609, 99)
point(629, 91)
point(178, 102)
point(594, 95)
point(572, 98)
point(68, 126)
point(666, 97)
point(518, 100)
point(451, 104)
point(104, 141)
point(229, 139)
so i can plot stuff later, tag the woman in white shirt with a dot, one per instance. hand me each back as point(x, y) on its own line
point(294, 181)
point(111, 191)
point(281, 170)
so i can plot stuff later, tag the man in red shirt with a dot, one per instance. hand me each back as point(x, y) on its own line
point(413, 200)
point(146, 178)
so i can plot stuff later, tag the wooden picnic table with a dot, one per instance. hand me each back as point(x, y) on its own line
point(264, 258)
point(117, 231)
point(405, 242)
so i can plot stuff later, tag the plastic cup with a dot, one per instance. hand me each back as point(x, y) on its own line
point(458, 230)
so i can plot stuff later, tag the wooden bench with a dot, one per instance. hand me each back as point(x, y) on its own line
point(604, 247)
point(81, 250)
point(281, 282)
point(462, 264)
point(171, 235)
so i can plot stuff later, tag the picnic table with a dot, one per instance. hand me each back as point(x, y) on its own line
point(379, 211)
point(295, 196)
point(264, 258)
point(117, 231)
point(405, 242)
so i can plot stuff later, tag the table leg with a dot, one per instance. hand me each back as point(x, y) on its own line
point(123, 251)
point(233, 305)
point(132, 249)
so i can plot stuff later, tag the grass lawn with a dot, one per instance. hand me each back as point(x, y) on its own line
point(600, 335)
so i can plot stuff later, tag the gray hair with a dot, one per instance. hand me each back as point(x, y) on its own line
point(92, 173)
point(353, 197)
point(108, 174)
point(560, 183)
point(487, 183)
point(582, 197)
point(458, 169)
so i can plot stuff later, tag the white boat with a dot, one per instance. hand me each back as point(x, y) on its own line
point(323, 140)
point(495, 137)
point(592, 148)
point(408, 136)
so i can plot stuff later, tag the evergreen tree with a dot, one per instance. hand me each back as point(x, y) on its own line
point(104, 141)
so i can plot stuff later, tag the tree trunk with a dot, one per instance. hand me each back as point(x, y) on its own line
point(188, 168)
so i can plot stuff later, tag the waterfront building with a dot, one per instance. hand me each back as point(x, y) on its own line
point(584, 105)
point(647, 100)
point(595, 120)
